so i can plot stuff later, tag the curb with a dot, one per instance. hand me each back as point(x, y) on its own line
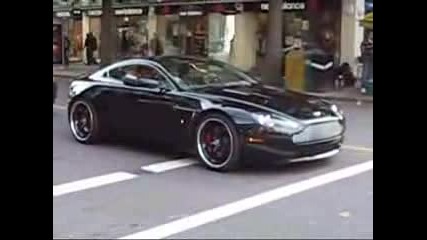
point(61, 75)
point(338, 98)
point(344, 99)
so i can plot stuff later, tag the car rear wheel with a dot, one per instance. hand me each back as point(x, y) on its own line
point(84, 122)
point(218, 143)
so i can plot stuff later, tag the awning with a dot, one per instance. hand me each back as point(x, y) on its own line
point(368, 21)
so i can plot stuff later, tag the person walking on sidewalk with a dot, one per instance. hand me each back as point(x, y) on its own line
point(367, 49)
point(66, 50)
point(156, 45)
point(125, 44)
point(91, 46)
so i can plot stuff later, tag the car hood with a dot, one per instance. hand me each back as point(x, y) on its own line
point(262, 98)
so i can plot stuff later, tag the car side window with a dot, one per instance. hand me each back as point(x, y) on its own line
point(141, 73)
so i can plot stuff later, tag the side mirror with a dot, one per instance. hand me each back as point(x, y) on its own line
point(131, 80)
point(149, 83)
point(141, 82)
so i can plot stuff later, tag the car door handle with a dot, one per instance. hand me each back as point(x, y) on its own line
point(177, 107)
point(141, 100)
point(154, 101)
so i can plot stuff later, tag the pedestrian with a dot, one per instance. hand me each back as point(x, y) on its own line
point(344, 76)
point(367, 49)
point(145, 50)
point(66, 50)
point(125, 44)
point(91, 46)
point(156, 45)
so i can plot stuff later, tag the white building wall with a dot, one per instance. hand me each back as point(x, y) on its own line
point(351, 32)
point(245, 42)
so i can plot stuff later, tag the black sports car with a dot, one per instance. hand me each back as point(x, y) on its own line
point(203, 105)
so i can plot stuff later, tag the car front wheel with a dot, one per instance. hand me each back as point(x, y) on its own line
point(218, 143)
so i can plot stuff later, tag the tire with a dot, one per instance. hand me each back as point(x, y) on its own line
point(94, 134)
point(233, 160)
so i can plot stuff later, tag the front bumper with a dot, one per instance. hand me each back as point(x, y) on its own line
point(282, 147)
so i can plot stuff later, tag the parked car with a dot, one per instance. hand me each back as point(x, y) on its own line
point(204, 105)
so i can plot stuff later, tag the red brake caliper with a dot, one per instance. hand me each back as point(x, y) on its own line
point(208, 138)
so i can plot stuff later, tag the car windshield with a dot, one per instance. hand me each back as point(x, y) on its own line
point(196, 73)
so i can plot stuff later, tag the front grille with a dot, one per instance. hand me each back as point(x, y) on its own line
point(317, 132)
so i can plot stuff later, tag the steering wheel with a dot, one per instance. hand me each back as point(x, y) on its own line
point(211, 78)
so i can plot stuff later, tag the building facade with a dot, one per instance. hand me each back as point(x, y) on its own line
point(233, 31)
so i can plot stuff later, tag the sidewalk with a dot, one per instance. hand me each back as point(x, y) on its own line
point(351, 94)
point(73, 70)
point(347, 94)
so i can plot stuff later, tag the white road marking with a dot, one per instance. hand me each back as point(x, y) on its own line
point(345, 214)
point(169, 165)
point(358, 148)
point(234, 208)
point(93, 182)
point(59, 107)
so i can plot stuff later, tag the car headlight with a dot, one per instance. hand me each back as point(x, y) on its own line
point(278, 124)
point(337, 111)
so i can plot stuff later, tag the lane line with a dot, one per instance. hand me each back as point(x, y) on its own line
point(169, 165)
point(60, 107)
point(358, 148)
point(93, 182)
point(245, 204)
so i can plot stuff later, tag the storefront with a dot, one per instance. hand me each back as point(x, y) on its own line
point(57, 42)
point(132, 26)
point(198, 29)
point(311, 27)
point(94, 23)
point(72, 24)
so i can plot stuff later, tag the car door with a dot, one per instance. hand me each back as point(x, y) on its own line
point(153, 102)
point(119, 101)
point(142, 110)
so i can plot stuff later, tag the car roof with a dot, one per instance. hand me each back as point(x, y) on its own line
point(181, 57)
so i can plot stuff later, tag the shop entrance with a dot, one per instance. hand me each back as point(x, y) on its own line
point(76, 40)
point(194, 35)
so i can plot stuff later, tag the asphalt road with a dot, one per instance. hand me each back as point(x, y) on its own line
point(89, 202)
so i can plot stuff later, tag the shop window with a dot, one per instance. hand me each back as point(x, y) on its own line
point(172, 32)
point(135, 29)
point(76, 39)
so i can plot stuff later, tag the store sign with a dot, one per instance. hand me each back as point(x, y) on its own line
point(192, 10)
point(94, 13)
point(63, 14)
point(287, 6)
point(77, 13)
point(239, 7)
point(191, 13)
point(128, 11)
